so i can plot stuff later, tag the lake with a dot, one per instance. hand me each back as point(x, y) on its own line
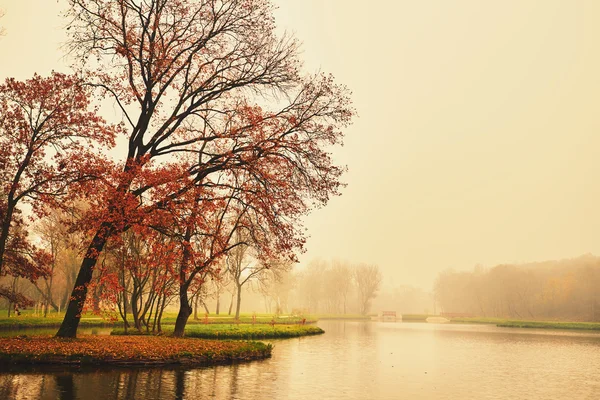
point(358, 360)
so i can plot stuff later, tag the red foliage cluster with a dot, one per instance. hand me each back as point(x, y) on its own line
point(125, 350)
point(48, 130)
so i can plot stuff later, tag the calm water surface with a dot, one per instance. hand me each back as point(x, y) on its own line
point(359, 360)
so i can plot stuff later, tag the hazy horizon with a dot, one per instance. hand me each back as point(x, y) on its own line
point(477, 128)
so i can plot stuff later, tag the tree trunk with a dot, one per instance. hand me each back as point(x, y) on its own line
point(239, 303)
point(218, 303)
point(162, 309)
point(4, 232)
point(185, 310)
point(65, 386)
point(11, 204)
point(231, 304)
point(196, 308)
point(68, 328)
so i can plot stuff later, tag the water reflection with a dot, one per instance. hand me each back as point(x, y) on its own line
point(358, 360)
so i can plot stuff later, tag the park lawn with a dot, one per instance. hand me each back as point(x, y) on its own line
point(127, 350)
point(28, 319)
point(244, 319)
point(238, 331)
point(53, 320)
point(508, 323)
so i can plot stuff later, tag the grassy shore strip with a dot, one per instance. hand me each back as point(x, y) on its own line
point(127, 350)
point(588, 326)
point(281, 320)
point(478, 320)
point(241, 331)
point(28, 320)
point(507, 323)
point(415, 317)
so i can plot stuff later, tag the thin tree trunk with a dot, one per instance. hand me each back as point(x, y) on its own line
point(185, 309)
point(162, 309)
point(231, 303)
point(5, 230)
point(49, 295)
point(239, 302)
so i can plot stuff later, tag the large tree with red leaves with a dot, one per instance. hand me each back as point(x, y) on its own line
point(47, 130)
point(216, 107)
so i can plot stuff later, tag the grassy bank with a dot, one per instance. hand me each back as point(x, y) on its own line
point(415, 317)
point(589, 326)
point(127, 350)
point(29, 320)
point(507, 323)
point(244, 319)
point(239, 331)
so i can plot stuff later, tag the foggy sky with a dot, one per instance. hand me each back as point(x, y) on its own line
point(477, 136)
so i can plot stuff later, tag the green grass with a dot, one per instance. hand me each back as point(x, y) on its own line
point(238, 331)
point(28, 320)
point(508, 323)
point(415, 317)
point(588, 326)
point(244, 319)
point(479, 320)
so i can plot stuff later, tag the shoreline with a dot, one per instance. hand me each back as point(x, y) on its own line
point(54, 321)
point(234, 331)
point(127, 351)
point(529, 324)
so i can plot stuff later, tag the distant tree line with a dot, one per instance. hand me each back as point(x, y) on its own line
point(336, 287)
point(565, 289)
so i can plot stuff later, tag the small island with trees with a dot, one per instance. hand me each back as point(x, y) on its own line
point(216, 148)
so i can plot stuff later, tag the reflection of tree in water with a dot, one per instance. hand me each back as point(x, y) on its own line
point(65, 386)
point(22, 386)
point(234, 379)
point(180, 384)
point(121, 384)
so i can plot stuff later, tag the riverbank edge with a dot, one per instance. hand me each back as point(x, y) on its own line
point(26, 322)
point(157, 351)
point(505, 323)
point(235, 332)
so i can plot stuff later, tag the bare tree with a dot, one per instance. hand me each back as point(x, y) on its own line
point(368, 282)
point(276, 286)
point(243, 269)
point(343, 278)
point(52, 232)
